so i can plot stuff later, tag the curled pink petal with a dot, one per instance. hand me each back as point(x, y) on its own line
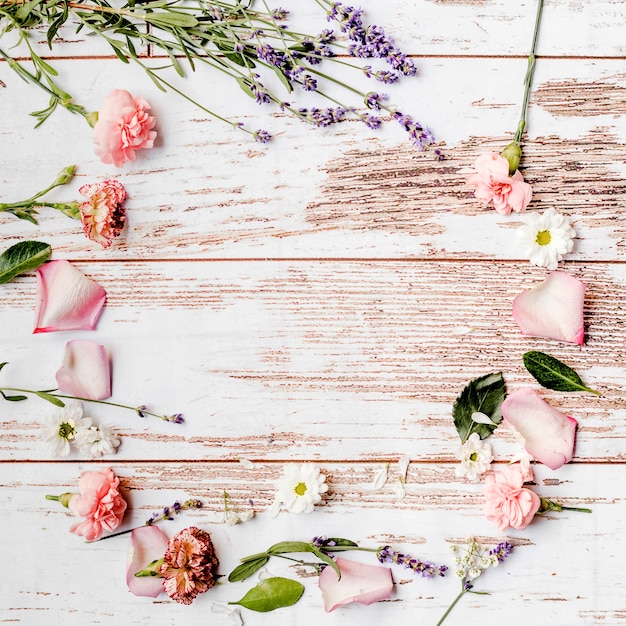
point(360, 583)
point(549, 435)
point(66, 298)
point(553, 309)
point(85, 372)
point(147, 544)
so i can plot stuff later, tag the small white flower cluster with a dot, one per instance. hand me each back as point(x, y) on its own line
point(233, 515)
point(475, 456)
point(69, 428)
point(476, 559)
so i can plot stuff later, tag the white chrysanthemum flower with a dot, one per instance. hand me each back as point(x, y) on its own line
point(475, 456)
point(96, 441)
point(546, 237)
point(64, 427)
point(299, 488)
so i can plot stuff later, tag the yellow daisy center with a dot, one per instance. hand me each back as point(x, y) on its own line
point(300, 489)
point(66, 430)
point(543, 237)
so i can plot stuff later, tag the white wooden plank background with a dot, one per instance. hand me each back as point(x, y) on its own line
point(295, 301)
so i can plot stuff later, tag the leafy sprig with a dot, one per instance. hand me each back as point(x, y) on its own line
point(551, 373)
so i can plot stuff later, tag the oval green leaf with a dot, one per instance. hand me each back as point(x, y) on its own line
point(290, 546)
point(481, 395)
point(22, 257)
point(245, 570)
point(272, 594)
point(50, 398)
point(551, 373)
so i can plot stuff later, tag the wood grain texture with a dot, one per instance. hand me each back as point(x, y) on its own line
point(314, 360)
point(437, 512)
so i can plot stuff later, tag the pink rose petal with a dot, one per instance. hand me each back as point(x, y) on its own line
point(66, 299)
point(548, 434)
point(553, 309)
point(360, 583)
point(85, 372)
point(147, 544)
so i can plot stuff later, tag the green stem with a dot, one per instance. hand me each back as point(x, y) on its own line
point(449, 609)
point(138, 410)
point(528, 79)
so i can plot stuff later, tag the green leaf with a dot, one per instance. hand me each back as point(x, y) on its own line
point(12, 398)
point(245, 570)
point(553, 374)
point(339, 542)
point(484, 395)
point(3, 364)
point(271, 594)
point(50, 398)
point(328, 560)
point(171, 18)
point(283, 79)
point(291, 546)
point(22, 257)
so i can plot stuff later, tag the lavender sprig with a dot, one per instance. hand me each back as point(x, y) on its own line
point(472, 564)
point(426, 569)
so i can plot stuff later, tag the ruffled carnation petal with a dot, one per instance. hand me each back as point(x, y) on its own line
point(553, 309)
point(86, 371)
point(548, 434)
point(66, 299)
point(360, 583)
point(147, 544)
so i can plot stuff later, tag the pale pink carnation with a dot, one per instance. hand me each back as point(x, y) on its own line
point(124, 126)
point(102, 214)
point(507, 502)
point(492, 183)
point(190, 565)
point(99, 502)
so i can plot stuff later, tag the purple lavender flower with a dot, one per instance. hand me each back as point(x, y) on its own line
point(323, 117)
point(501, 551)
point(323, 542)
point(373, 100)
point(309, 83)
point(262, 136)
point(420, 136)
point(426, 569)
point(280, 15)
point(260, 94)
point(371, 121)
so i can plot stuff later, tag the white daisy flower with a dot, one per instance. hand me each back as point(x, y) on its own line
point(475, 456)
point(299, 488)
point(63, 428)
point(546, 237)
point(96, 441)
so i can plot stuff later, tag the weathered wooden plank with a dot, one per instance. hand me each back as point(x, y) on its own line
point(555, 568)
point(313, 359)
point(207, 192)
point(448, 27)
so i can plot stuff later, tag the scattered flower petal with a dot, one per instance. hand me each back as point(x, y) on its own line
point(147, 544)
point(481, 418)
point(234, 615)
point(546, 237)
point(66, 298)
point(381, 478)
point(553, 309)
point(247, 463)
point(299, 488)
point(403, 466)
point(85, 372)
point(475, 456)
point(102, 214)
point(548, 434)
point(492, 183)
point(508, 504)
point(124, 126)
point(360, 583)
point(462, 330)
point(400, 490)
point(99, 502)
point(64, 427)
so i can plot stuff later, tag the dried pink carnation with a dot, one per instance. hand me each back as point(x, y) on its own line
point(123, 127)
point(492, 183)
point(99, 502)
point(190, 565)
point(102, 214)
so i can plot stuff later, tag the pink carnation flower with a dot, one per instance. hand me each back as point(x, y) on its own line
point(123, 127)
point(507, 502)
point(492, 183)
point(190, 565)
point(102, 214)
point(99, 502)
